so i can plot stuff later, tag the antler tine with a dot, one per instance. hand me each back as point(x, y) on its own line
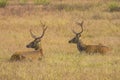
point(74, 32)
point(43, 32)
point(81, 24)
point(32, 35)
point(44, 29)
point(43, 25)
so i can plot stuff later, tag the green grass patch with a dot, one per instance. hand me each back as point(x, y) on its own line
point(3, 3)
point(113, 6)
point(23, 2)
point(71, 7)
point(42, 2)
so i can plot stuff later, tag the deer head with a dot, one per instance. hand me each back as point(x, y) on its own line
point(36, 42)
point(77, 34)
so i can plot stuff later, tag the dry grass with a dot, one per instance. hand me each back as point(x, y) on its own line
point(62, 60)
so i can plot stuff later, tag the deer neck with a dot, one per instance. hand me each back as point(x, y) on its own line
point(41, 51)
point(39, 48)
point(80, 45)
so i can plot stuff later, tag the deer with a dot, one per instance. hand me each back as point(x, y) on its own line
point(36, 54)
point(90, 49)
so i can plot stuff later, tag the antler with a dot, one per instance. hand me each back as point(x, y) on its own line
point(32, 35)
point(43, 24)
point(81, 24)
point(74, 32)
point(44, 29)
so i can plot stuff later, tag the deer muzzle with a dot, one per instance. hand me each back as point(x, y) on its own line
point(28, 46)
point(70, 41)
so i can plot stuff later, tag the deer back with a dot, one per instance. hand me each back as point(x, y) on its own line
point(96, 49)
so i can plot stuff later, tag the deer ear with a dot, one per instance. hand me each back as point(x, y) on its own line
point(38, 40)
point(79, 35)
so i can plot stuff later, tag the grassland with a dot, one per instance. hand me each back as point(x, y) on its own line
point(62, 60)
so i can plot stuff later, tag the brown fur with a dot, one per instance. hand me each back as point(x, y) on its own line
point(27, 55)
point(91, 49)
point(96, 49)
